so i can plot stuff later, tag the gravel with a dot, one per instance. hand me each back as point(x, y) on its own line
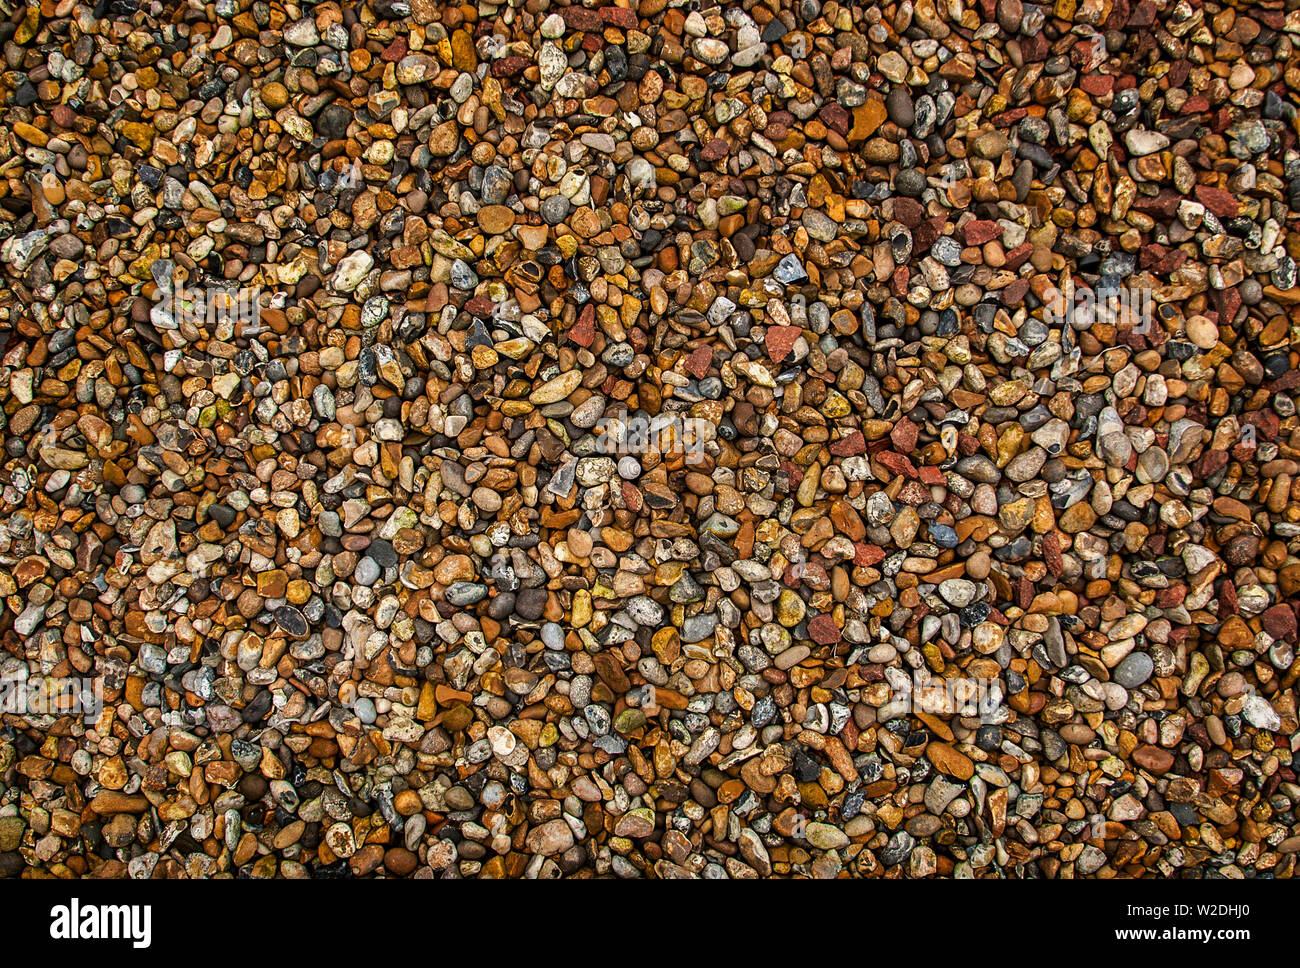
point(659, 440)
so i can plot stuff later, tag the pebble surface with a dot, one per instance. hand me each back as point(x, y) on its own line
point(385, 580)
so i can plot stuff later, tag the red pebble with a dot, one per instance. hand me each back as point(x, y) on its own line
point(580, 18)
point(511, 66)
point(631, 496)
point(1052, 554)
point(908, 211)
point(850, 446)
point(715, 150)
point(698, 363)
point(1209, 462)
point(931, 475)
point(1221, 203)
point(897, 463)
point(1013, 293)
point(1287, 381)
point(1143, 15)
point(1279, 622)
point(823, 630)
point(1170, 597)
point(1017, 256)
point(904, 436)
point(928, 232)
point(620, 17)
point(1098, 85)
point(480, 306)
point(835, 118)
point(865, 555)
point(780, 340)
point(793, 474)
point(980, 231)
point(1227, 599)
point(584, 330)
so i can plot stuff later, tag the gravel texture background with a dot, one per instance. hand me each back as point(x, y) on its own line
point(965, 540)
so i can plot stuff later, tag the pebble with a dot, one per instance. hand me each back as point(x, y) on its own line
point(1134, 669)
